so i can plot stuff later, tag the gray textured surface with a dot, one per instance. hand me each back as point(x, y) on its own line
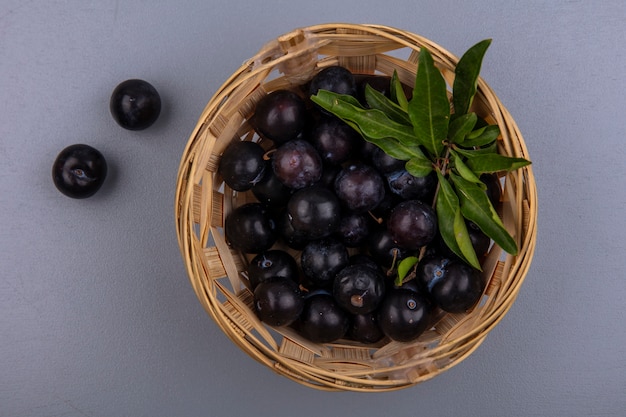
point(96, 314)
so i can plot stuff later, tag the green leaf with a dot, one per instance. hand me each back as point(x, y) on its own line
point(377, 100)
point(461, 126)
point(476, 207)
point(395, 149)
point(404, 267)
point(429, 108)
point(372, 123)
point(464, 171)
point(419, 166)
point(493, 162)
point(471, 153)
point(483, 136)
point(397, 92)
point(451, 224)
point(466, 77)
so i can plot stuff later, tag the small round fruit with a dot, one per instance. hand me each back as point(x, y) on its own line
point(314, 212)
point(360, 187)
point(270, 264)
point(269, 190)
point(412, 224)
point(79, 171)
point(242, 165)
point(334, 140)
point(278, 301)
point(280, 116)
point(365, 328)
point(384, 250)
point(359, 289)
point(336, 79)
point(458, 288)
point(297, 164)
point(322, 259)
point(410, 187)
point(135, 104)
point(250, 229)
point(385, 163)
point(429, 270)
point(404, 314)
point(322, 320)
point(354, 229)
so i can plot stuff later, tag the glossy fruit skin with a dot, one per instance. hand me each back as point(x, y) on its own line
point(384, 163)
point(314, 212)
point(297, 164)
point(242, 165)
point(280, 116)
point(79, 171)
point(364, 328)
point(359, 289)
point(334, 140)
point(250, 228)
point(291, 237)
point(359, 187)
point(458, 288)
point(135, 104)
point(430, 269)
point(354, 229)
point(322, 259)
point(278, 301)
point(404, 314)
point(270, 190)
point(384, 250)
point(322, 320)
point(336, 79)
point(412, 224)
point(410, 187)
point(270, 264)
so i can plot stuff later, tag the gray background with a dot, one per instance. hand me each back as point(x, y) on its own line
point(97, 316)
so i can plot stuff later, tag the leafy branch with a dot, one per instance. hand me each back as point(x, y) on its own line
point(423, 131)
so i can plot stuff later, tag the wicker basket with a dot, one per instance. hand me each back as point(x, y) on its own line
point(202, 201)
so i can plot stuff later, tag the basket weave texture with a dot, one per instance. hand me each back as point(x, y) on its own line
point(215, 270)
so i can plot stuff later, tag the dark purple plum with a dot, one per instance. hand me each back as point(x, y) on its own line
point(278, 301)
point(354, 228)
point(250, 228)
point(412, 224)
point(334, 140)
point(271, 191)
point(322, 320)
point(79, 171)
point(242, 165)
point(336, 79)
point(270, 264)
point(280, 116)
point(364, 328)
point(360, 187)
point(384, 250)
point(135, 104)
point(404, 314)
point(410, 187)
point(314, 212)
point(456, 287)
point(297, 164)
point(322, 259)
point(359, 289)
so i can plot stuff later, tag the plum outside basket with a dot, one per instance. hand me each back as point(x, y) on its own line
point(215, 270)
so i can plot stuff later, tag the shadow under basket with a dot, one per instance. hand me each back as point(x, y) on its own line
point(215, 270)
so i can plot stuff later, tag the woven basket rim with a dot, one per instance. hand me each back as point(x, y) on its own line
point(199, 204)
